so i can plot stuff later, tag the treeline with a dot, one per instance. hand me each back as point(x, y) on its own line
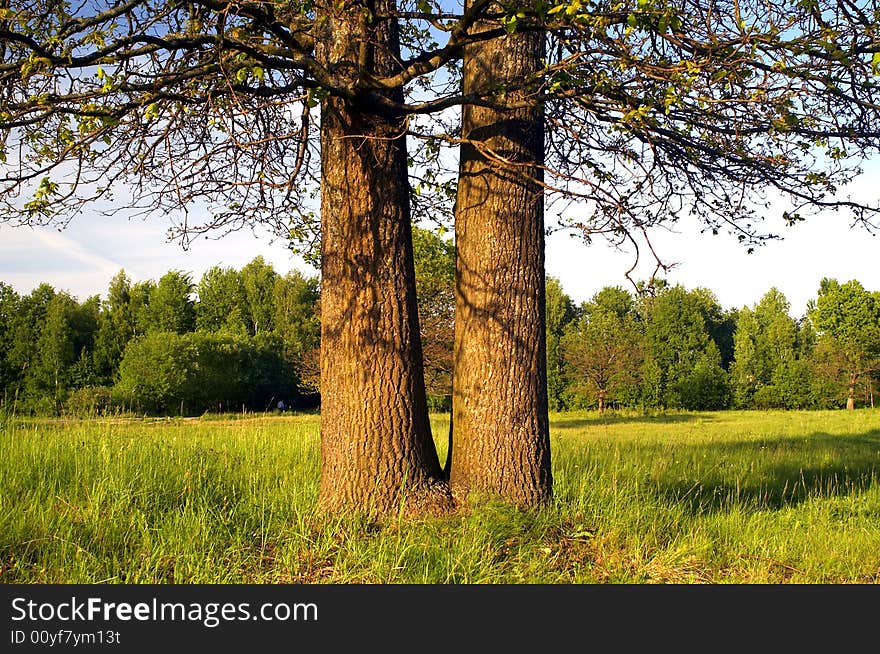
point(249, 338)
point(677, 348)
point(237, 339)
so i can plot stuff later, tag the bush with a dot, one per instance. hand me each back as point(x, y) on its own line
point(90, 401)
point(170, 373)
point(440, 403)
point(705, 388)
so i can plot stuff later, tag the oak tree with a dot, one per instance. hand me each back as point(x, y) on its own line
point(650, 109)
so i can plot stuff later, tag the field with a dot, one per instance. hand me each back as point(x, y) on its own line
point(730, 497)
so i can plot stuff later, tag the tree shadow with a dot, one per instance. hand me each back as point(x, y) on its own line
point(769, 474)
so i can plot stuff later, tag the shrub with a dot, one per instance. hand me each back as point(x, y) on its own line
point(90, 401)
point(170, 373)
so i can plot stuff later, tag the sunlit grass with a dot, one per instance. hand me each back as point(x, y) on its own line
point(729, 497)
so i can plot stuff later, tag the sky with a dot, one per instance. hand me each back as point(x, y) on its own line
point(82, 258)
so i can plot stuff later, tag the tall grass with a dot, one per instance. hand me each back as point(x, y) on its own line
point(736, 497)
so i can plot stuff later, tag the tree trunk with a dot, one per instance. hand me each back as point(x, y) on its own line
point(500, 443)
point(376, 446)
point(851, 396)
point(601, 398)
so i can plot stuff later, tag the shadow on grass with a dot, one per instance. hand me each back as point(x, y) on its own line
point(770, 473)
point(617, 419)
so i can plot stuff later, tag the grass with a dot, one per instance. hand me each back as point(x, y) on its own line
point(729, 497)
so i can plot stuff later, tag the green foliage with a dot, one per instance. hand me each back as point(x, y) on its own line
point(258, 282)
point(9, 304)
point(170, 373)
point(661, 350)
point(560, 312)
point(116, 328)
point(222, 304)
point(848, 319)
point(297, 319)
point(702, 388)
point(90, 401)
point(434, 259)
point(171, 305)
point(681, 346)
point(603, 350)
point(62, 356)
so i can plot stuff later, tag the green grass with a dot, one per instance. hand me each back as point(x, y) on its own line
point(730, 497)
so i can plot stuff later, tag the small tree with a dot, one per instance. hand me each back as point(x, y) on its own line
point(848, 319)
point(605, 348)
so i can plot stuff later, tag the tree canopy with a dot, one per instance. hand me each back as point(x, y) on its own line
point(653, 108)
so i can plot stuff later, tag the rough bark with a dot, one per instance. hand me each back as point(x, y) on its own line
point(500, 443)
point(376, 446)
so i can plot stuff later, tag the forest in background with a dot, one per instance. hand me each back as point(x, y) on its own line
point(246, 339)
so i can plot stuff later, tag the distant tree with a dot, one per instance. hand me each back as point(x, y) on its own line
point(171, 306)
point(155, 371)
point(9, 302)
point(778, 343)
point(62, 356)
point(141, 294)
point(296, 299)
point(847, 318)
point(27, 325)
point(766, 346)
point(720, 324)
point(604, 348)
point(258, 281)
point(86, 323)
point(434, 259)
point(116, 328)
point(222, 304)
point(560, 312)
point(745, 373)
point(683, 350)
point(169, 373)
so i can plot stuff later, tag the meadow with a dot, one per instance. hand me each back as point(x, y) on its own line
point(726, 497)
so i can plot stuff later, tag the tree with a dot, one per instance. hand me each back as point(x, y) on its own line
point(435, 288)
point(605, 348)
point(501, 434)
point(560, 313)
point(221, 302)
point(649, 109)
point(139, 302)
point(62, 352)
point(681, 347)
point(848, 318)
point(167, 372)
point(258, 283)
point(9, 301)
point(26, 328)
point(765, 346)
point(172, 306)
point(116, 327)
point(298, 324)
